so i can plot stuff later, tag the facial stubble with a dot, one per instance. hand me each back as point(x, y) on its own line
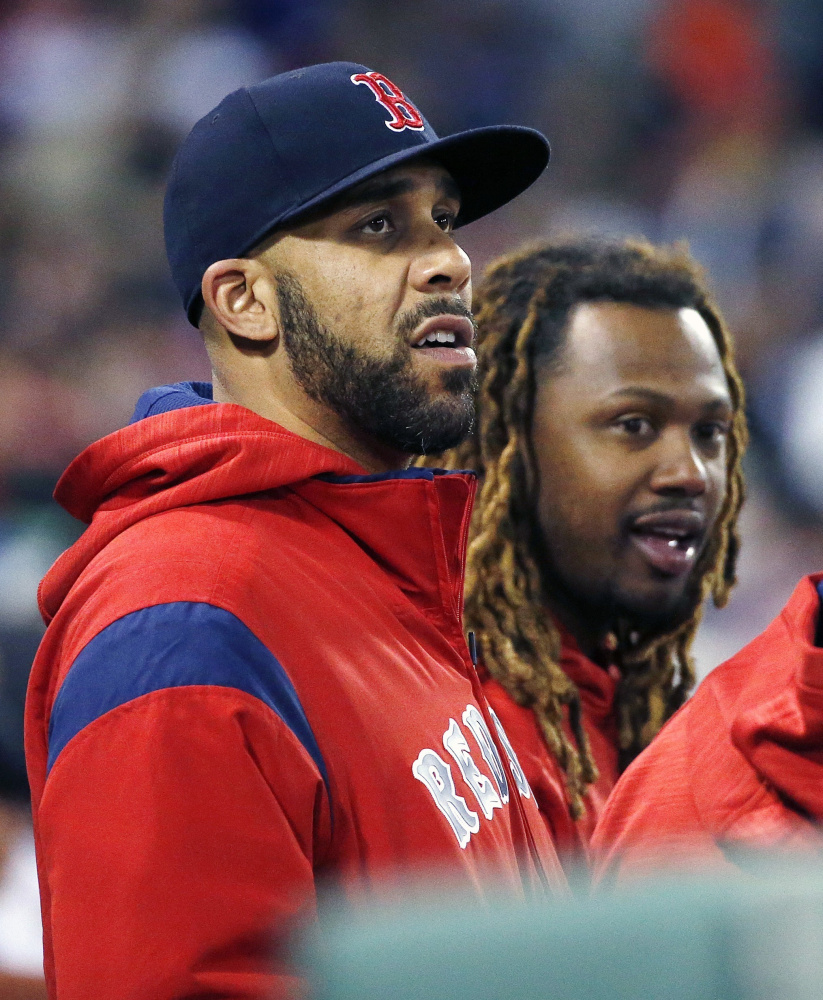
point(381, 396)
point(602, 601)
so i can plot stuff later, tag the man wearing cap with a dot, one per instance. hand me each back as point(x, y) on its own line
point(255, 678)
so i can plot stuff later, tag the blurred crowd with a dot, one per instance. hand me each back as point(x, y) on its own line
point(697, 120)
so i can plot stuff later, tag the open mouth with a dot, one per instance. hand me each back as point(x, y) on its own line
point(446, 338)
point(669, 541)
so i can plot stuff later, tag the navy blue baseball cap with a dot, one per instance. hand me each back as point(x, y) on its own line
point(274, 151)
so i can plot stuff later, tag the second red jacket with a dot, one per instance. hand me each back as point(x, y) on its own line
point(739, 766)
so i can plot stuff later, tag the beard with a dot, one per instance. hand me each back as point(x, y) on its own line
point(608, 605)
point(604, 603)
point(383, 397)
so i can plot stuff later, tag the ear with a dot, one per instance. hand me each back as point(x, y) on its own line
point(241, 296)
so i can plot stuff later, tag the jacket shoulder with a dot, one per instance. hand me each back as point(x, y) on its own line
point(183, 553)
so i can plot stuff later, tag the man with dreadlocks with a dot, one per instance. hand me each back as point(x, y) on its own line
point(609, 435)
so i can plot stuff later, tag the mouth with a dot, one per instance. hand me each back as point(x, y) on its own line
point(446, 339)
point(669, 541)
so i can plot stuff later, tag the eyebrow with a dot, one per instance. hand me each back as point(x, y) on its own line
point(382, 189)
point(662, 399)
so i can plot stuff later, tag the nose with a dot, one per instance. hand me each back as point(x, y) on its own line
point(440, 265)
point(680, 471)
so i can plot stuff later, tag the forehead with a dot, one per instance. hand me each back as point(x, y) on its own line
point(422, 176)
point(611, 343)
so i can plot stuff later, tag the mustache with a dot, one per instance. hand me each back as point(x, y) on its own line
point(444, 306)
point(664, 506)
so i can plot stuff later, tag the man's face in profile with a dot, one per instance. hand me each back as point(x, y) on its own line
point(374, 298)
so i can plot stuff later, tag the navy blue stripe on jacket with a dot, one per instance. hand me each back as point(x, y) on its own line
point(168, 646)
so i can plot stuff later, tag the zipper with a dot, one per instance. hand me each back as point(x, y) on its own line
point(464, 537)
point(469, 644)
point(514, 791)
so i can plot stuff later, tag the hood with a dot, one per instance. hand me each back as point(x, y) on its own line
point(183, 449)
point(597, 685)
point(192, 454)
point(775, 699)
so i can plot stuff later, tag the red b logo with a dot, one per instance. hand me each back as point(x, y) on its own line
point(403, 113)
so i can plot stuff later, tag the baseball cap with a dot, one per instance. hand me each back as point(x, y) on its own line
point(273, 151)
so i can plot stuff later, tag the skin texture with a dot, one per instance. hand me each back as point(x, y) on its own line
point(365, 267)
point(633, 418)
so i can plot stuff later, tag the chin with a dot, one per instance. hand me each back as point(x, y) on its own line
point(657, 609)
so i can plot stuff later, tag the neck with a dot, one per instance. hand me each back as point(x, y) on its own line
point(314, 422)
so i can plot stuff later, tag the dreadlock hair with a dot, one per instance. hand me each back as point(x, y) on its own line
point(522, 309)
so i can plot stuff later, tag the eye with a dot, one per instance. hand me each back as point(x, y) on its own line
point(635, 426)
point(377, 225)
point(445, 220)
point(712, 432)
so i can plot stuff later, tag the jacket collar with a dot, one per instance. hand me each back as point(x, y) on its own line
point(413, 522)
point(597, 685)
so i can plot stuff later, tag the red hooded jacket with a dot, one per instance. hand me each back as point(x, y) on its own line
point(254, 679)
point(597, 687)
point(739, 766)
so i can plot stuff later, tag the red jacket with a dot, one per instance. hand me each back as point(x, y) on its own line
point(739, 766)
point(254, 678)
point(597, 691)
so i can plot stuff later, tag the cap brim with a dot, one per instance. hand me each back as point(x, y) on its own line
point(490, 166)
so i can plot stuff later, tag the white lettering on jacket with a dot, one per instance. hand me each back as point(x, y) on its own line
point(517, 770)
point(436, 774)
point(476, 724)
point(455, 742)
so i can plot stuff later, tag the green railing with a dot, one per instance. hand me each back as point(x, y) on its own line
point(758, 936)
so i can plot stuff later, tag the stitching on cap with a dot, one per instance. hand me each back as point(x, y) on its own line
point(283, 172)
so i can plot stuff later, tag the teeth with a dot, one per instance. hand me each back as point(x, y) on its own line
point(673, 543)
point(437, 337)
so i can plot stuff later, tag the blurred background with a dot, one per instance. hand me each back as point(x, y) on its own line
point(693, 119)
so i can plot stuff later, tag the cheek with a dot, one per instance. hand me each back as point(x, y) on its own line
point(374, 315)
point(586, 477)
point(579, 497)
point(358, 319)
point(350, 299)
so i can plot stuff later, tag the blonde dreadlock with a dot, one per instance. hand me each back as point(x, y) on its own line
point(522, 307)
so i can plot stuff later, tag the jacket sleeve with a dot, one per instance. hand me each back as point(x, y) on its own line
point(692, 799)
point(651, 820)
point(781, 736)
point(185, 808)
